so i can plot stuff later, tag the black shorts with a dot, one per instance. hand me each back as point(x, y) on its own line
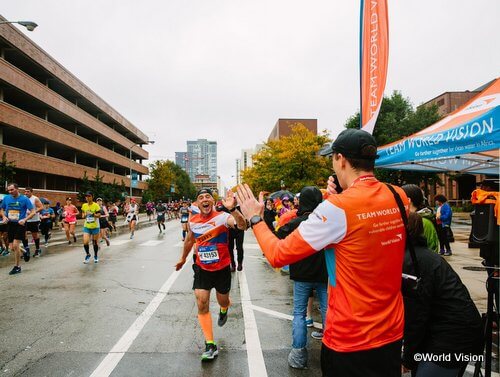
point(33, 226)
point(16, 231)
point(3, 228)
point(103, 223)
point(383, 361)
point(160, 218)
point(112, 218)
point(220, 280)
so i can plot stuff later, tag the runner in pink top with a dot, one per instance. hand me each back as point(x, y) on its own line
point(70, 212)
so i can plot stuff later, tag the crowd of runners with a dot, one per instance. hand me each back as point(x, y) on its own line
point(25, 217)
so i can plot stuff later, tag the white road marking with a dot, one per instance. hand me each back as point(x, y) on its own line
point(119, 242)
point(56, 243)
point(181, 243)
point(256, 365)
point(114, 356)
point(281, 315)
point(151, 243)
point(251, 246)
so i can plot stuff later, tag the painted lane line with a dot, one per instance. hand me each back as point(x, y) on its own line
point(151, 243)
point(181, 243)
point(119, 242)
point(114, 356)
point(276, 314)
point(251, 246)
point(256, 364)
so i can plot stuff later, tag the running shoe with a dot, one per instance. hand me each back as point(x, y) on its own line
point(240, 267)
point(5, 252)
point(15, 270)
point(87, 259)
point(222, 318)
point(96, 259)
point(317, 335)
point(36, 254)
point(309, 322)
point(447, 253)
point(26, 255)
point(210, 353)
point(69, 242)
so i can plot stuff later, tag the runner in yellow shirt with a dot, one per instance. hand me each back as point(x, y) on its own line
point(91, 213)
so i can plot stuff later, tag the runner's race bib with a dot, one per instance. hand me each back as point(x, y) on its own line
point(208, 254)
point(184, 218)
point(13, 215)
point(90, 217)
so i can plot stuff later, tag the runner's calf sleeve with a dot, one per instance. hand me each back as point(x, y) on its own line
point(206, 326)
point(87, 249)
point(96, 247)
point(183, 234)
point(37, 243)
point(25, 243)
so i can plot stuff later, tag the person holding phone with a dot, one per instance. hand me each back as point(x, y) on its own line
point(364, 249)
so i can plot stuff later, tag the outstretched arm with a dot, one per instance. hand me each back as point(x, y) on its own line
point(188, 245)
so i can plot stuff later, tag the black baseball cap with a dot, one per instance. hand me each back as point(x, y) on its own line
point(350, 143)
point(89, 193)
point(204, 191)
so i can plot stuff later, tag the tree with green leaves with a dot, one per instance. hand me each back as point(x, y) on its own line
point(292, 162)
point(168, 181)
point(7, 171)
point(107, 191)
point(398, 119)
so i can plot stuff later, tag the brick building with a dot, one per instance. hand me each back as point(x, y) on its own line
point(56, 129)
point(283, 127)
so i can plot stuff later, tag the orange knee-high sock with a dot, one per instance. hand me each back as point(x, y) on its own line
point(206, 326)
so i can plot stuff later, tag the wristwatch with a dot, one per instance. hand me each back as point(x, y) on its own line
point(254, 220)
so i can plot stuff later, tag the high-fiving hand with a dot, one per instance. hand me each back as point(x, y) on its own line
point(229, 201)
point(250, 206)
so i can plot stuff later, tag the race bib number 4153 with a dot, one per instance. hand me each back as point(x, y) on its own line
point(208, 254)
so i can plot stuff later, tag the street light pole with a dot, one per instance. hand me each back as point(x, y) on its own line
point(30, 25)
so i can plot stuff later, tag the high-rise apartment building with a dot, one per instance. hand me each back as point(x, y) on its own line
point(200, 159)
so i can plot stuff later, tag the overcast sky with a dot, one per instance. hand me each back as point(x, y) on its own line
point(226, 70)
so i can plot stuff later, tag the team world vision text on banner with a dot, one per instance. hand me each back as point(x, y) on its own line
point(374, 52)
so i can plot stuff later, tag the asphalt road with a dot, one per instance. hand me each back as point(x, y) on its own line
point(132, 315)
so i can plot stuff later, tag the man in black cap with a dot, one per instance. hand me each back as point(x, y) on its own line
point(363, 236)
point(209, 230)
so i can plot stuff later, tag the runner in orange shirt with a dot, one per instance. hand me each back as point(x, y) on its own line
point(209, 230)
point(364, 237)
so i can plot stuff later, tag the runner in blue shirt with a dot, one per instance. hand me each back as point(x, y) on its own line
point(16, 209)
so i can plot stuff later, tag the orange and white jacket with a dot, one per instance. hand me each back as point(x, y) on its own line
point(364, 235)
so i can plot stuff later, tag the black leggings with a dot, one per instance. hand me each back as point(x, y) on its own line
point(238, 236)
point(444, 243)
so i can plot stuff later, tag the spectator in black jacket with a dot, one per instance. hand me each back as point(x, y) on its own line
point(270, 214)
point(308, 274)
point(442, 321)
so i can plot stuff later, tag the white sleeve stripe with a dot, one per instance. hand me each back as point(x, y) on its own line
point(326, 225)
